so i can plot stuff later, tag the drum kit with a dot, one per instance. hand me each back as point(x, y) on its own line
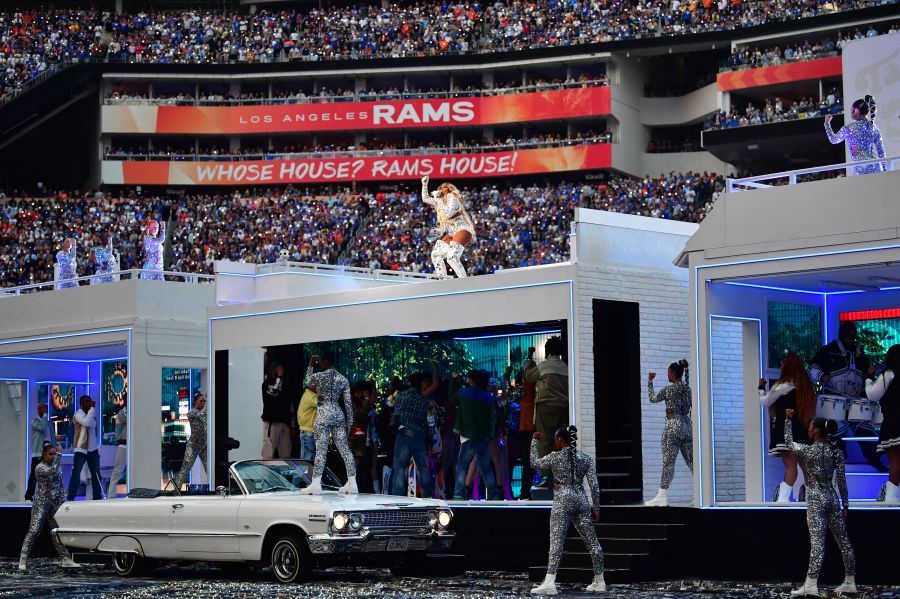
point(851, 409)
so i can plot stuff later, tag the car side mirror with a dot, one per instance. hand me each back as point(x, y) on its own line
point(221, 491)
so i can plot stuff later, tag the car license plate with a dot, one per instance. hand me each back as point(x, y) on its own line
point(398, 544)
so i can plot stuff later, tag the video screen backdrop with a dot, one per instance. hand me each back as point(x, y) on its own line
point(60, 399)
point(878, 330)
point(178, 386)
point(797, 327)
point(113, 395)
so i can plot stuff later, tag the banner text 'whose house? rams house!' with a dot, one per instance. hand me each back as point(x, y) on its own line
point(337, 116)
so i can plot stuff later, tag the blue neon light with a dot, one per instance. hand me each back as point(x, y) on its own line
point(64, 383)
point(772, 287)
point(893, 288)
point(860, 438)
point(64, 336)
point(63, 359)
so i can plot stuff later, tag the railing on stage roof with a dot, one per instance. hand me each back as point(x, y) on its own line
point(790, 177)
point(336, 270)
point(134, 273)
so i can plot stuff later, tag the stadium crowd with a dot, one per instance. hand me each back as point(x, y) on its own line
point(32, 41)
point(516, 226)
point(777, 111)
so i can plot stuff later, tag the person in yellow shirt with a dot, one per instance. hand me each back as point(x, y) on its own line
point(306, 416)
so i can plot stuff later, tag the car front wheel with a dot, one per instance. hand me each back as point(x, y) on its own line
point(127, 564)
point(290, 559)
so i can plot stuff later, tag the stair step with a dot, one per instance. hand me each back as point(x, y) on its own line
point(614, 545)
point(582, 559)
point(612, 474)
point(614, 457)
point(633, 531)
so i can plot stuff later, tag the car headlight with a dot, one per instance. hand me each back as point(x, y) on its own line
point(444, 518)
point(432, 518)
point(356, 521)
point(340, 521)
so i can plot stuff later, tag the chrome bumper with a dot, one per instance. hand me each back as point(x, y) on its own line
point(375, 541)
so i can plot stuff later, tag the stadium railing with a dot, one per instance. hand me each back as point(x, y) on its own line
point(790, 177)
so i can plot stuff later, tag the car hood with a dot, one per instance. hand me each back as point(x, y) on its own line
point(339, 501)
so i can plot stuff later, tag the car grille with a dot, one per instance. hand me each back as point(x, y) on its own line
point(396, 518)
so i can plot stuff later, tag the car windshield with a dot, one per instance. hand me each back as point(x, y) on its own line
point(272, 476)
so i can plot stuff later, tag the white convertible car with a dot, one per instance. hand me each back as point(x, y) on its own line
point(260, 518)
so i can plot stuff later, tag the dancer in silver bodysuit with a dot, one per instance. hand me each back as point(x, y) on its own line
point(862, 136)
point(678, 432)
point(331, 421)
point(455, 227)
point(154, 238)
point(196, 446)
point(823, 461)
point(569, 467)
point(68, 263)
point(106, 264)
point(48, 496)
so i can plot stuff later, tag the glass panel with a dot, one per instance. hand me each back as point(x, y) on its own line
point(797, 327)
point(114, 394)
point(726, 346)
point(178, 388)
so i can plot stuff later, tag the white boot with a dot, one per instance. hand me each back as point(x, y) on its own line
point(891, 492)
point(454, 253)
point(350, 487)
point(22, 566)
point(808, 588)
point(314, 488)
point(68, 562)
point(784, 493)
point(598, 586)
point(438, 255)
point(847, 587)
point(661, 499)
point(548, 587)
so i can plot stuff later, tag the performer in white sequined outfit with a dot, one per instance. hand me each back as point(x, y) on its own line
point(48, 496)
point(332, 421)
point(455, 227)
point(68, 263)
point(824, 463)
point(154, 238)
point(678, 433)
point(106, 264)
point(568, 468)
point(862, 137)
point(197, 444)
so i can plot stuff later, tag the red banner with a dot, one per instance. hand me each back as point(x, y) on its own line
point(337, 116)
point(783, 73)
point(328, 170)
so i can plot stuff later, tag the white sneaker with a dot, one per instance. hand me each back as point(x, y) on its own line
point(891, 492)
point(68, 562)
point(810, 588)
point(22, 566)
point(350, 487)
point(784, 493)
point(598, 586)
point(661, 499)
point(848, 587)
point(314, 488)
point(548, 587)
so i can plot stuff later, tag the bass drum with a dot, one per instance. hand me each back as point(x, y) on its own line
point(833, 407)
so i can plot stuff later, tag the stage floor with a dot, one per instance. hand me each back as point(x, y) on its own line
point(204, 582)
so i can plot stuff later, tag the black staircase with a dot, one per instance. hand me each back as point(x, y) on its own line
point(638, 545)
point(618, 471)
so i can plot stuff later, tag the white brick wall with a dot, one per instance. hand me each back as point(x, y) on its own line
point(728, 409)
point(662, 295)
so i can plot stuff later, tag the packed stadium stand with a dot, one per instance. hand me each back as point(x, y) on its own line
point(284, 130)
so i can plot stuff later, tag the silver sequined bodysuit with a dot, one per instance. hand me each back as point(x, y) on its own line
point(864, 141)
point(196, 446)
point(48, 496)
point(332, 387)
point(677, 432)
point(67, 264)
point(823, 463)
point(451, 210)
point(153, 254)
point(570, 501)
point(105, 265)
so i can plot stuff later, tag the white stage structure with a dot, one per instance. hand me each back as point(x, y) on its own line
point(821, 249)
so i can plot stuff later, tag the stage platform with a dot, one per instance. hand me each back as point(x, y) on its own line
point(749, 543)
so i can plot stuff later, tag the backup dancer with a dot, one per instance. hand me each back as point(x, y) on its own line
point(331, 421)
point(154, 238)
point(454, 224)
point(862, 135)
point(106, 264)
point(792, 390)
point(569, 467)
point(886, 390)
point(677, 432)
point(196, 446)
point(49, 495)
point(68, 260)
point(824, 462)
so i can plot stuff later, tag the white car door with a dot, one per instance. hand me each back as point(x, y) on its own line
point(204, 527)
